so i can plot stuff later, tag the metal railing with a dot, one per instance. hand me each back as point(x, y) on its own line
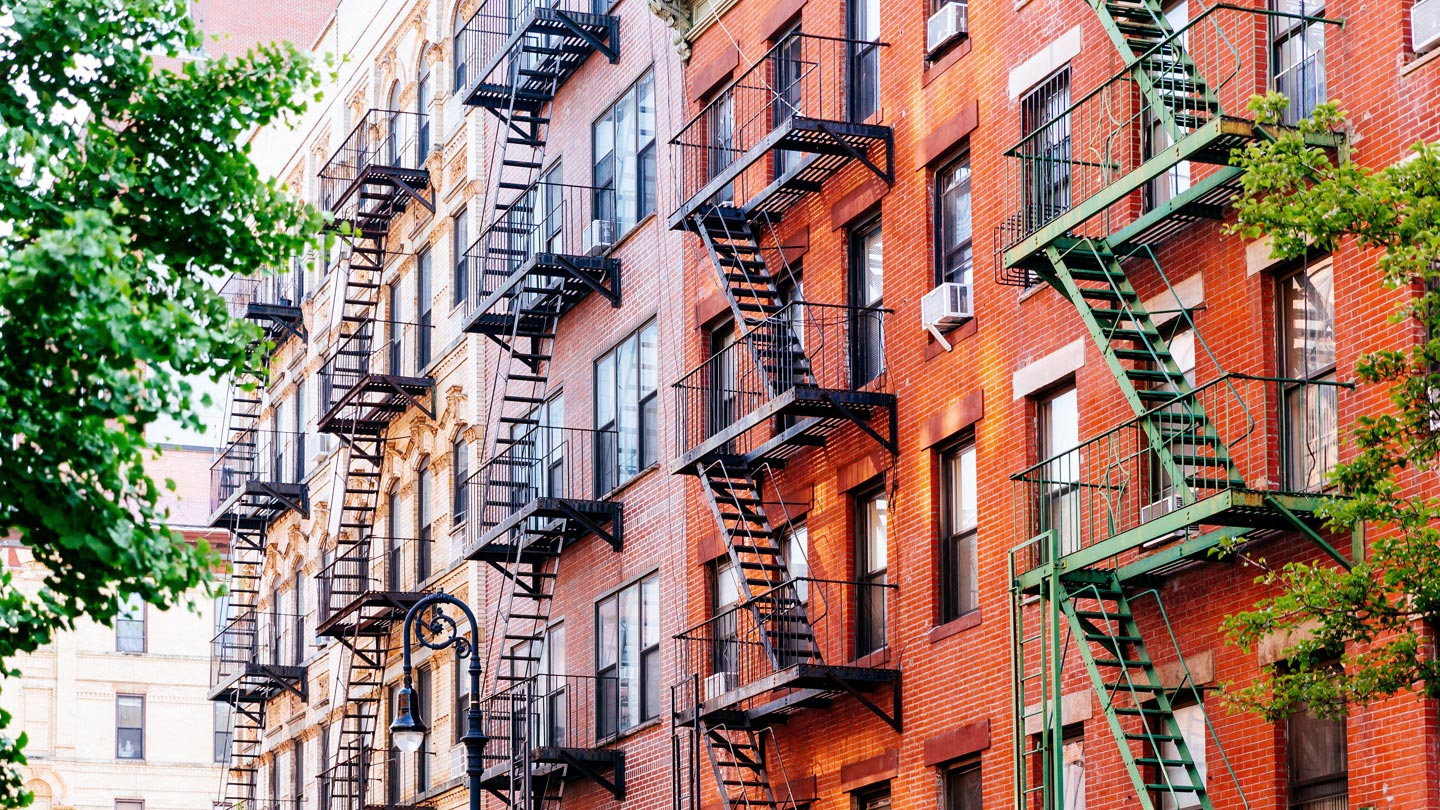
point(491, 33)
point(802, 76)
point(804, 345)
point(260, 455)
point(281, 287)
point(546, 218)
point(1282, 436)
point(741, 645)
point(550, 711)
point(255, 637)
point(383, 139)
point(1065, 160)
point(378, 778)
point(384, 348)
point(544, 462)
point(379, 563)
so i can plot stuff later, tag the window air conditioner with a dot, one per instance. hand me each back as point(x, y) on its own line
point(949, 23)
point(948, 305)
point(719, 684)
point(600, 236)
point(1425, 24)
point(1158, 509)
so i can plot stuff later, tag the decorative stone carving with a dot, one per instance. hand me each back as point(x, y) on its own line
point(679, 15)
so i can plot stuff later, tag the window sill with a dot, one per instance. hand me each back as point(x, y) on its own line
point(942, 59)
point(619, 737)
point(1032, 291)
point(955, 626)
point(622, 488)
point(874, 659)
point(629, 234)
point(1420, 62)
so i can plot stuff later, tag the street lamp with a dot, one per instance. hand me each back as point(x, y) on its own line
point(434, 630)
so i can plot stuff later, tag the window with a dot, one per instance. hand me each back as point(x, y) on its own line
point(422, 109)
point(297, 772)
point(1316, 750)
point(952, 202)
point(1191, 720)
point(864, 88)
point(394, 127)
point(459, 496)
point(1181, 344)
point(129, 804)
point(790, 67)
point(459, 243)
point(423, 682)
point(294, 444)
point(1058, 430)
point(297, 620)
point(220, 751)
point(1045, 122)
point(129, 727)
point(959, 571)
point(1307, 356)
point(423, 306)
point(396, 759)
point(724, 399)
point(963, 787)
point(400, 331)
point(727, 593)
point(1072, 754)
point(423, 520)
point(871, 552)
point(460, 53)
point(1297, 56)
point(462, 698)
point(130, 624)
point(395, 556)
point(624, 154)
point(626, 410)
point(544, 660)
point(867, 286)
point(721, 118)
point(1156, 137)
point(876, 798)
point(627, 634)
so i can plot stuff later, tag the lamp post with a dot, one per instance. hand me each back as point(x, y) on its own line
point(434, 630)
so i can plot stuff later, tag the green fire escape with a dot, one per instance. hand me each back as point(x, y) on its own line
point(1093, 188)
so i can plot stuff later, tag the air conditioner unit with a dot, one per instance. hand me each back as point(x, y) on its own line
point(949, 23)
point(719, 684)
point(1425, 24)
point(600, 236)
point(947, 305)
point(1158, 509)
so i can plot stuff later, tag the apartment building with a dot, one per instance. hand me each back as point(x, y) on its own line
point(116, 716)
point(821, 403)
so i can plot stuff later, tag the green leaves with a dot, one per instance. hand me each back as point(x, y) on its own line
point(127, 188)
point(1371, 618)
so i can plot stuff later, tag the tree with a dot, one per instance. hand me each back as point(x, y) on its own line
point(1373, 617)
point(128, 190)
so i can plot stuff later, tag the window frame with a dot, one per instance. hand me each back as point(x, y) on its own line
point(959, 545)
point(1064, 490)
point(128, 621)
point(871, 597)
point(952, 779)
point(944, 272)
point(459, 239)
point(1296, 469)
point(424, 524)
point(423, 100)
point(647, 650)
point(609, 164)
point(459, 478)
point(867, 336)
point(139, 730)
point(1281, 32)
point(646, 409)
point(222, 716)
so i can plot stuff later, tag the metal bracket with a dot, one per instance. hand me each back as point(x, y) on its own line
point(611, 53)
point(592, 526)
point(613, 296)
point(887, 174)
point(615, 787)
point(892, 719)
point(411, 191)
point(891, 444)
point(1309, 532)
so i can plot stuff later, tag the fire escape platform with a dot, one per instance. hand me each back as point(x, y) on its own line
point(368, 614)
point(384, 192)
point(256, 504)
point(546, 759)
point(565, 278)
point(570, 37)
point(257, 683)
point(544, 523)
point(822, 147)
point(279, 321)
point(816, 412)
point(798, 686)
point(1227, 514)
point(375, 401)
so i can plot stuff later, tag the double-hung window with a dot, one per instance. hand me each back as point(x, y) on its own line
point(423, 519)
point(220, 744)
point(627, 637)
point(720, 115)
point(867, 289)
point(459, 495)
point(459, 243)
point(297, 773)
point(963, 787)
point(624, 155)
point(423, 682)
point(1058, 429)
point(423, 306)
point(1190, 719)
point(871, 556)
point(727, 595)
point(129, 726)
point(626, 410)
point(864, 85)
point(1045, 150)
point(1297, 56)
point(1318, 759)
point(960, 579)
point(952, 192)
point(130, 624)
point(1307, 356)
point(422, 112)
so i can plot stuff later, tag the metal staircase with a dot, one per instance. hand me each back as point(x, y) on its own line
point(1197, 465)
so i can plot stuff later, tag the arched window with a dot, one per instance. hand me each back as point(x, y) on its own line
point(393, 127)
point(422, 107)
point(461, 53)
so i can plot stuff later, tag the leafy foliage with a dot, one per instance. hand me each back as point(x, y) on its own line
point(126, 190)
point(1371, 618)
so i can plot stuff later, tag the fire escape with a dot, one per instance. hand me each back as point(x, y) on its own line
point(376, 373)
point(256, 479)
point(1094, 189)
point(541, 486)
point(795, 373)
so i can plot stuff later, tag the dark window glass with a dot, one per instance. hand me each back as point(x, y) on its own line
point(963, 788)
point(1318, 758)
point(1045, 122)
point(423, 520)
point(459, 243)
point(129, 727)
point(864, 87)
point(871, 558)
point(627, 655)
point(459, 497)
point(867, 287)
point(959, 585)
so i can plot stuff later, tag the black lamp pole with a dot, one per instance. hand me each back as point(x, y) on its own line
point(435, 630)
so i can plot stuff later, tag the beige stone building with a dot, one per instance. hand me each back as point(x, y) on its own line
point(117, 717)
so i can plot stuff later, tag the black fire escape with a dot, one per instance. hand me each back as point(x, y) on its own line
point(795, 373)
point(542, 486)
point(376, 373)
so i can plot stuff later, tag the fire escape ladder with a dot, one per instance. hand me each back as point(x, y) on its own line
point(734, 249)
point(247, 724)
point(1167, 77)
point(738, 761)
point(1137, 705)
point(1181, 435)
point(364, 683)
point(768, 590)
